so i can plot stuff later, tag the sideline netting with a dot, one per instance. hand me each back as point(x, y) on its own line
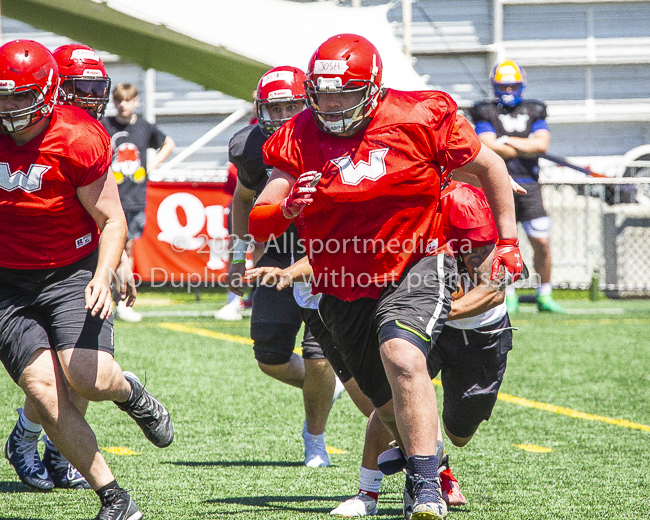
point(600, 234)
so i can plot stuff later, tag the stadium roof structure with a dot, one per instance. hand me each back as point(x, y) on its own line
point(224, 45)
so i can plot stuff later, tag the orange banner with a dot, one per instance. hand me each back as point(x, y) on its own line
point(185, 237)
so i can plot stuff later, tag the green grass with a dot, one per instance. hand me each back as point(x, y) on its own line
point(238, 451)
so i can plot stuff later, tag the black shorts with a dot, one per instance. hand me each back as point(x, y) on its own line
point(323, 336)
point(531, 205)
point(472, 363)
point(415, 309)
point(275, 322)
point(135, 223)
point(45, 308)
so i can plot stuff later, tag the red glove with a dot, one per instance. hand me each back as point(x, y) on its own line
point(508, 255)
point(301, 195)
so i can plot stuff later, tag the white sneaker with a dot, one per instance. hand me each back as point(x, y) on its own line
point(127, 313)
point(359, 505)
point(229, 312)
point(315, 452)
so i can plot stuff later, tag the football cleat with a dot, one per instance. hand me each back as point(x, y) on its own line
point(512, 303)
point(230, 311)
point(546, 303)
point(357, 506)
point(151, 416)
point(117, 504)
point(408, 497)
point(64, 475)
point(449, 485)
point(427, 499)
point(391, 461)
point(316, 455)
point(22, 453)
point(128, 314)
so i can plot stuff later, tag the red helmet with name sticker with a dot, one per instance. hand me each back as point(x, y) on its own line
point(344, 64)
point(280, 84)
point(84, 80)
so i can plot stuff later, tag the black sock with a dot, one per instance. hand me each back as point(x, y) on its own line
point(424, 465)
point(106, 491)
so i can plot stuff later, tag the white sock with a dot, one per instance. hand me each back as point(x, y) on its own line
point(544, 289)
point(510, 290)
point(29, 425)
point(232, 297)
point(370, 480)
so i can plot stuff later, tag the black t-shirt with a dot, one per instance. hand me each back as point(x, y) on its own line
point(130, 143)
point(245, 152)
point(516, 121)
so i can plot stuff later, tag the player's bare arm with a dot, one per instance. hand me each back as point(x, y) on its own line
point(485, 293)
point(102, 201)
point(530, 147)
point(277, 189)
point(493, 175)
point(471, 179)
point(242, 204)
point(165, 151)
point(300, 271)
point(126, 281)
point(283, 199)
point(502, 149)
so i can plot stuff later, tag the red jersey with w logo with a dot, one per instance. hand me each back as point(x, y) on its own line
point(42, 222)
point(376, 209)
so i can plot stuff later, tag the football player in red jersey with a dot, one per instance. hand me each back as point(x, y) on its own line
point(85, 84)
point(276, 318)
point(360, 176)
point(63, 234)
point(471, 350)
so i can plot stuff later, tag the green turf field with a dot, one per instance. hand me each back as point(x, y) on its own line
point(569, 439)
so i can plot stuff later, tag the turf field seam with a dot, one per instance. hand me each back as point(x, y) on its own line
point(521, 401)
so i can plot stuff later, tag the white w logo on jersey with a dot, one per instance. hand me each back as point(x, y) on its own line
point(29, 183)
point(514, 124)
point(353, 174)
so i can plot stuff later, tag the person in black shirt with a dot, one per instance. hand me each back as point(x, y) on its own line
point(131, 136)
point(516, 129)
point(276, 318)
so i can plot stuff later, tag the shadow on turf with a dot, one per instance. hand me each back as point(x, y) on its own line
point(387, 506)
point(236, 463)
point(277, 503)
point(15, 487)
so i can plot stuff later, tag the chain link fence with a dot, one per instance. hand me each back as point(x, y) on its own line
point(600, 235)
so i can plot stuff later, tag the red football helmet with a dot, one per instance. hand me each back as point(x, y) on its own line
point(280, 84)
point(29, 74)
point(84, 80)
point(346, 63)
